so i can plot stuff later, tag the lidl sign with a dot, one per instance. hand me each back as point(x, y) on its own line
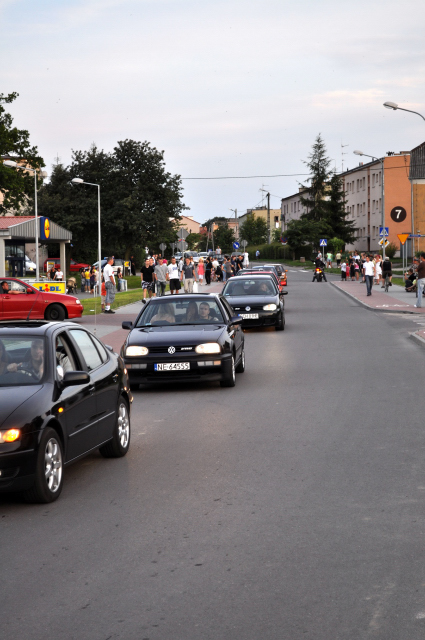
point(50, 287)
point(44, 228)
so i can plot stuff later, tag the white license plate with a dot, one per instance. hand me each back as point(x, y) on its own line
point(249, 316)
point(172, 366)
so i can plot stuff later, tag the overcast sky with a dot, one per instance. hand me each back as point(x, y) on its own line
point(224, 87)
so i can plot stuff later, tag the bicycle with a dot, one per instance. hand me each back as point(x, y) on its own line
point(387, 283)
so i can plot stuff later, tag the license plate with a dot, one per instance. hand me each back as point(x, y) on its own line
point(249, 316)
point(172, 366)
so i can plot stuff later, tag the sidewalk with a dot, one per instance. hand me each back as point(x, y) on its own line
point(397, 299)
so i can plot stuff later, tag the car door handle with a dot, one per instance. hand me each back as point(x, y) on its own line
point(115, 377)
point(92, 390)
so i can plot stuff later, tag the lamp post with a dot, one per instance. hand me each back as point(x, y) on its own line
point(394, 106)
point(235, 211)
point(14, 165)
point(360, 153)
point(81, 181)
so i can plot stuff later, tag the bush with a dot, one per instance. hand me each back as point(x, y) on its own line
point(391, 250)
point(279, 251)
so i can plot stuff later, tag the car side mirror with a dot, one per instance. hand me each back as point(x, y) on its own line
point(284, 292)
point(236, 320)
point(127, 325)
point(72, 378)
point(29, 290)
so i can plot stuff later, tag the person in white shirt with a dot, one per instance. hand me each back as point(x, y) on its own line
point(174, 276)
point(369, 273)
point(246, 259)
point(109, 278)
point(59, 275)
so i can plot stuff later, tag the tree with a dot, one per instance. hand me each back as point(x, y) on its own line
point(140, 201)
point(193, 239)
point(336, 212)
point(314, 195)
point(254, 230)
point(17, 187)
point(224, 237)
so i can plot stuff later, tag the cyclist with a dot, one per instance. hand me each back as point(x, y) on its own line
point(387, 270)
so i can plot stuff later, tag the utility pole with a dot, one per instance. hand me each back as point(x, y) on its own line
point(268, 217)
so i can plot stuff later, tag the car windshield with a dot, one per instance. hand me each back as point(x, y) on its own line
point(180, 312)
point(22, 360)
point(249, 287)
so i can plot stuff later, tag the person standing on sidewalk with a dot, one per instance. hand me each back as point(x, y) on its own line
point(338, 258)
point(420, 282)
point(201, 270)
point(161, 276)
point(208, 267)
point(189, 274)
point(369, 273)
point(108, 276)
point(174, 276)
point(147, 277)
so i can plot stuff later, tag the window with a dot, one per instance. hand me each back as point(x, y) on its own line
point(64, 358)
point(357, 184)
point(380, 177)
point(364, 183)
point(361, 208)
point(87, 348)
point(358, 209)
point(380, 206)
point(373, 232)
point(373, 179)
point(373, 205)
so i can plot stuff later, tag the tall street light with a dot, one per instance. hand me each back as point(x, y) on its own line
point(235, 211)
point(14, 165)
point(394, 106)
point(360, 153)
point(81, 181)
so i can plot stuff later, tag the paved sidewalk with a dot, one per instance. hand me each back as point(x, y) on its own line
point(397, 299)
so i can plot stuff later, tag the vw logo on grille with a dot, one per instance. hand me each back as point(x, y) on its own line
point(171, 350)
point(247, 308)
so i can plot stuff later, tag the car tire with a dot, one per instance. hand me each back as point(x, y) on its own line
point(229, 379)
point(281, 324)
point(120, 443)
point(48, 482)
point(241, 366)
point(55, 312)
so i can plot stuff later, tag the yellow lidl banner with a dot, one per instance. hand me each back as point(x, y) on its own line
point(403, 237)
point(50, 287)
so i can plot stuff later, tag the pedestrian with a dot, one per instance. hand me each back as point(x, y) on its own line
point(357, 270)
point(87, 279)
point(343, 270)
point(208, 267)
point(201, 270)
point(246, 260)
point(59, 274)
point(161, 275)
point(362, 264)
point(227, 268)
point(369, 273)
point(387, 270)
point(329, 260)
point(132, 266)
point(92, 279)
point(103, 294)
point(338, 258)
point(347, 268)
point(189, 275)
point(218, 251)
point(420, 282)
point(174, 276)
point(257, 254)
point(52, 273)
point(378, 269)
point(109, 278)
point(215, 265)
point(352, 268)
point(147, 279)
point(119, 279)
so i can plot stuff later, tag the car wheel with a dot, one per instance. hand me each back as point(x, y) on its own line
point(241, 366)
point(229, 379)
point(49, 471)
point(120, 443)
point(281, 324)
point(55, 312)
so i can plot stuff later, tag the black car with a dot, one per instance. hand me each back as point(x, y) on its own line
point(187, 337)
point(256, 298)
point(62, 394)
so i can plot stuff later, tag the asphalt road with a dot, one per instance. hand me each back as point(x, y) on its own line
point(289, 507)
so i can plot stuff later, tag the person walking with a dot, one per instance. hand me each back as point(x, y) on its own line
point(174, 276)
point(161, 275)
point(257, 254)
point(201, 270)
point(119, 279)
point(52, 273)
point(108, 276)
point(208, 267)
point(245, 260)
point(132, 266)
point(329, 260)
point(420, 282)
point(227, 268)
point(343, 271)
point(338, 258)
point(147, 280)
point(92, 279)
point(369, 273)
point(378, 269)
point(189, 275)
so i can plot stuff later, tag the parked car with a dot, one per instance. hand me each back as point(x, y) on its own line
point(74, 265)
point(117, 263)
point(257, 299)
point(30, 266)
point(184, 338)
point(62, 395)
point(22, 301)
point(193, 255)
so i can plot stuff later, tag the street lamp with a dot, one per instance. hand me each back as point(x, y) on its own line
point(360, 153)
point(394, 106)
point(14, 165)
point(81, 181)
point(235, 211)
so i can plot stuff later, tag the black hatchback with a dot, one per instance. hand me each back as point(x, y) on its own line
point(257, 300)
point(184, 338)
point(62, 395)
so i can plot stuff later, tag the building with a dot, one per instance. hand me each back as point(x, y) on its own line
point(261, 212)
point(188, 223)
point(417, 180)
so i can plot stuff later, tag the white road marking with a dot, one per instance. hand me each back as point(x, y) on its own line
point(420, 616)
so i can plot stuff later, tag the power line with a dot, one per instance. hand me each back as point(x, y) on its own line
point(278, 175)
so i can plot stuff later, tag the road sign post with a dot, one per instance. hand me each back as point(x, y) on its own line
point(323, 242)
point(162, 246)
point(382, 232)
point(236, 245)
point(244, 244)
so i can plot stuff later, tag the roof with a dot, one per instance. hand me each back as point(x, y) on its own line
point(10, 221)
point(24, 227)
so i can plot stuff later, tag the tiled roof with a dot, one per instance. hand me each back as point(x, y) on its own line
point(6, 222)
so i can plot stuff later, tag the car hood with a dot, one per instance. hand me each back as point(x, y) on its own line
point(240, 301)
point(13, 398)
point(158, 336)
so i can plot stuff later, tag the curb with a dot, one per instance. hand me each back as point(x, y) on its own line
point(416, 338)
point(366, 306)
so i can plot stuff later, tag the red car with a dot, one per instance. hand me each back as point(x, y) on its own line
point(21, 301)
point(74, 266)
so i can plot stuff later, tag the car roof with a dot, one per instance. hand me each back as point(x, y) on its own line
point(34, 327)
point(240, 276)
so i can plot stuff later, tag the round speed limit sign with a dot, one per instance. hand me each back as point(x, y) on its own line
point(398, 214)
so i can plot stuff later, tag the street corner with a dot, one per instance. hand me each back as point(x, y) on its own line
point(394, 301)
point(418, 337)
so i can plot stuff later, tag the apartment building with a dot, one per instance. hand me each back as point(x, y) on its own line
point(261, 212)
point(417, 180)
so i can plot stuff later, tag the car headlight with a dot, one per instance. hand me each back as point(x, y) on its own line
point(209, 347)
point(270, 307)
point(77, 301)
point(136, 351)
point(10, 435)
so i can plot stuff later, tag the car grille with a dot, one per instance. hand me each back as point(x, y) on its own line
point(189, 348)
point(253, 307)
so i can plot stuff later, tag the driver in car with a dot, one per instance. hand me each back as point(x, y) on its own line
point(5, 289)
point(33, 367)
point(205, 313)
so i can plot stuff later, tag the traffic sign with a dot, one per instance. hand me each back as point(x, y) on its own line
point(323, 242)
point(402, 237)
point(182, 233)
point(381, 231)
point(162, 246)
point(415, 235)
point(244, 244)
point(398, 214)
point(381, 242)
point(236, 245)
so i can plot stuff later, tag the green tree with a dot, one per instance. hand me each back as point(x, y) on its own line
point(17, 187)
point(254, 230)
point(224, 237)
point(193, 240)
point(314, 194)
point(336, 212)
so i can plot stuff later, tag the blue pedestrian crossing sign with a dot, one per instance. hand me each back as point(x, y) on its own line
point(323, 242)
point(236, 245)
point(381, 231)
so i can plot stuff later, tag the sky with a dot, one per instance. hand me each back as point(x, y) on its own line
point(224, 87)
